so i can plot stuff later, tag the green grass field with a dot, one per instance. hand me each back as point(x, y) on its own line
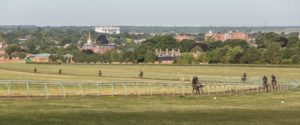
point(262, 109)
point(275, 108)
point(20, 71)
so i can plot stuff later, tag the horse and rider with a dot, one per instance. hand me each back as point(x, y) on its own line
point(244, 78)
point(141, 74)
point(197, 86)
point(273, 82)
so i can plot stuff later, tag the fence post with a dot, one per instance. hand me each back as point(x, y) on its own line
point(224, 90)
point(137, 89)
point(162, 91)
point(230, 91)
point(215, 89)
point(63, 88)
point(8, 88)
point(98, 91)
point(113, 89)
point(146, 85)
point(151, 89)
point(46, 90)
point(81, 89)
point(125, 89)
point(182, 89)
point(172, 89)
point(27, 88)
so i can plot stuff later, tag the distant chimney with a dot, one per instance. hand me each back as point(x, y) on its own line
point(167, 51)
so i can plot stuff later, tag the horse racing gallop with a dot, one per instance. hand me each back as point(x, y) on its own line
point(244, 77)
point(274, 82)
point(196, 86)
point(265, 83)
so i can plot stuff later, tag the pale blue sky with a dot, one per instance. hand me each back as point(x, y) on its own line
point(151, 12)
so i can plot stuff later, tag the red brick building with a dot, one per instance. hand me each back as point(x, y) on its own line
point(181, 37)
point(226, 36)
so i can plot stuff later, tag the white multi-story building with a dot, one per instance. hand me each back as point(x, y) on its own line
point(1, 45)
point(108, 29)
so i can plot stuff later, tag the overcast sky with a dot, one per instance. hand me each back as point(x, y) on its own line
point(151, 12)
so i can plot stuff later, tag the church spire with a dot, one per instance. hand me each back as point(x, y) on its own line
point(89, 40)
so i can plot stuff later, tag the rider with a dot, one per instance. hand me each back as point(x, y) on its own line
point(197, 85)
point(265, 83)
point(274, 82)
point(244, 78)
point(141, 75)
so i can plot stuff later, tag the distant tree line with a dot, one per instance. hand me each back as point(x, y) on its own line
point(270, 48)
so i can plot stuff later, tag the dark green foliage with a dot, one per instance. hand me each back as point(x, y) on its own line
point(101, 39)
point(187, 45)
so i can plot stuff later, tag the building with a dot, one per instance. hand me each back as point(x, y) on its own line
point(139, 41)
point(1, 45)
point(226, 36)
point(44, 57)
point(180, 37)
point(91, 46)
point(2, 51)
point(108, 30)
point(88, 45)
point(167, 57)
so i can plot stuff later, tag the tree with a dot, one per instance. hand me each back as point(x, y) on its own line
point(11, 48)
point(295, 59)
point(197, 49)
point(216, 55)
point(293, 41)
point(149, 56)
point(251, 55)
point(263, 40)
point(233, 55)
point(186, 45)
point(272, 54)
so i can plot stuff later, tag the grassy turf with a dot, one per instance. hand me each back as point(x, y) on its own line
point(254, 109)
point(130, 72)
point(263, 109)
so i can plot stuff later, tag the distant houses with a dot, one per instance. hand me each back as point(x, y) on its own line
point(93, 47)
point(167, 56)
point(216, 36)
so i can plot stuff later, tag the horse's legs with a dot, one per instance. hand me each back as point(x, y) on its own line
point(201, 91)
point(198, 92)
point(193, 90)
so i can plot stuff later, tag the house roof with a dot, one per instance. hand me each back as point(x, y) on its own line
point(42, 55)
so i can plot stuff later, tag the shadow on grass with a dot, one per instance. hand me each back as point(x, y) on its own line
point(203, 117)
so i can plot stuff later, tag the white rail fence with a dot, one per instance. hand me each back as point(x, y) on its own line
point(29, 88)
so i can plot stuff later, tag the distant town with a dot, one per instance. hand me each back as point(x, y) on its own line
point(115, 45)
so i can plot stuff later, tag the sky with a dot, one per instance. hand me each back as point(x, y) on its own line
point(150, 12)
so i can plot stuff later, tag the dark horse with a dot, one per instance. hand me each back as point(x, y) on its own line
point(244, 78)
point(196, 85)
point(141, 75)
point(274, 82)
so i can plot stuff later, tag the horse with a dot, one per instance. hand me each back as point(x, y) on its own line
point(265, 83)
point(274, 82)
point(244, 78)
point(196, 86)
point(141, 75)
